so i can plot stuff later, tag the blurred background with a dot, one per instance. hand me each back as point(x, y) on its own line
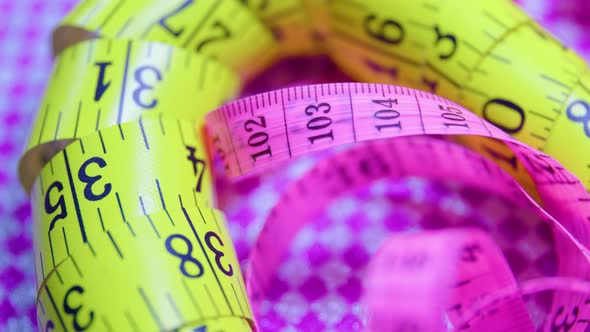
point(25, 64)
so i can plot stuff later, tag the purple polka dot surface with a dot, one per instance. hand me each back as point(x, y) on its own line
point(318, 288)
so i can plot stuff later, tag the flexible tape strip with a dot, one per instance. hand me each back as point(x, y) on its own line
point(482, 54)
point(428, 272)
point(408, 156)
point(288, 21)
point(107, 282)
point(223, 29)
point(122, 81)
point(85, 190)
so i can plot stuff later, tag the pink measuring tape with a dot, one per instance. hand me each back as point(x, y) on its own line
point(454, 279)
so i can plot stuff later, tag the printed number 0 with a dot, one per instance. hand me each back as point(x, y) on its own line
point(76, 310)
point(584, 118)
point(218, 254)
point(184, 257)
point(91, 180)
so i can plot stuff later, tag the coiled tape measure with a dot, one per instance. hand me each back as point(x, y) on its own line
point(126, 237)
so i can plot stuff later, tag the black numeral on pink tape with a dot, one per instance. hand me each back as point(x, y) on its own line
point(454, 115)
point(259, 137)
point(319, 122)
point(386, 116)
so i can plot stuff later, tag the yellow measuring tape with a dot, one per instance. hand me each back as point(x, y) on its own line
point(115, 164)
point(486, 55)
point(118, 81)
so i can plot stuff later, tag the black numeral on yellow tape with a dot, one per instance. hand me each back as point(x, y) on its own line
point(101, 85)
point(386, 115)
point(319, 122)
point(60, 204)
point(185, 257)
point(258, 138)
point(224, 33)
point(387, 31)
point(390, 71)
point(583, 118)
point(495, 111)
point(50, 326)
point(453, 114)
point(229, 270)
point(91, 180)
point(196, 162)
point(143, 86)
point(162, 21)
point(440, 37)
point(74, 309)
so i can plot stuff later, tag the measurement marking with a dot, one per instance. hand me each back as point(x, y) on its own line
point(148, 217)
point(488, 34)
point(122, 98)
point(107, 324)
point(537, 136)
point(109, 15)
point(75, 197)
point(195, 197)
point(237, 299)
point(463, 66)
point(556, 82)
point(352, 113)
point(100, 218)
point(131, 321)
point(543, 116)
point(104, 149)
point(120, 206)
point(495, 19)
point(42, 268)
point(82, 146)
point(232, 145)
point(215, 219)
point(43, 124)
point(211, 300)
point(123, 28)
point(474, 91)
point(244, 296)
point(130, 228)
point(191, 297)
point(115, 244)
point(77, 119)
point(63, 231)
point(443, 75)
point(150, 307)
point(500, 58)
point(280, 15)
point(285, 124)
point(121, 132)
point(471, 47)
point(430, 6)
point(420, 112)
point(145, 140)
point(174, 306)
point(180, 131)
point(61, 321)
point(97, 120)
point(188, 219)
point(198, 27)
point(91, 249)
point(77, 267)
point(420, 25)
point(51, 166)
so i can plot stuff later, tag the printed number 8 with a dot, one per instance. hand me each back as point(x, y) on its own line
point(583, 118)
point(184, 257)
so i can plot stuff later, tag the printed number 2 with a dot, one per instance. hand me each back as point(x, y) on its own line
point(74, 311)
point(229, 271)
point(162, 21)
point(91, 180)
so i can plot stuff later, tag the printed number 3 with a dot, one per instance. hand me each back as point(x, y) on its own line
point(229, 271)
point(76, 310)
point(91, 180)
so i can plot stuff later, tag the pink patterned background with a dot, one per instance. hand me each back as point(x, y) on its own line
point(319, 286)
